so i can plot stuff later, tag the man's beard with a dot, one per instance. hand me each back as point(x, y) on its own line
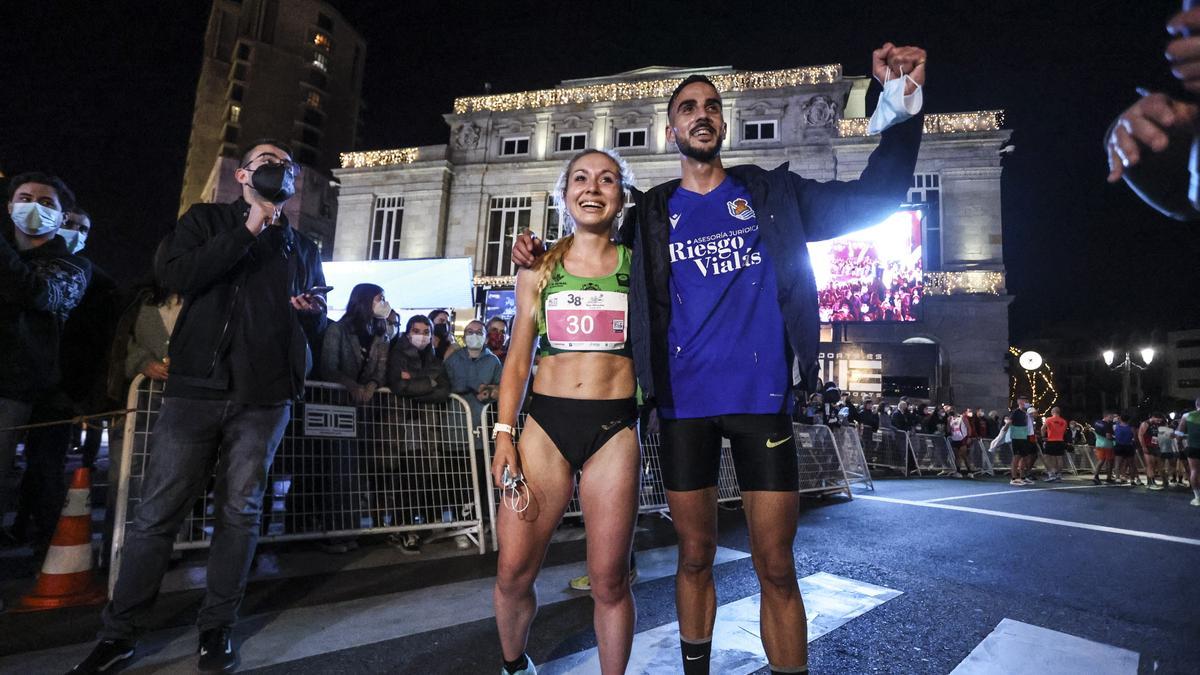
point(699, 154)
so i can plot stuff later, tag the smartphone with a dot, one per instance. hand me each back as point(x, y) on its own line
point(318, 290)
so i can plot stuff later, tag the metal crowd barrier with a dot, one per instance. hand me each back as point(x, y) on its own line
point(342, 469)
point(820, 462)
point(933, 452)
point(651, 498)
point(888, 448)
point(820, 468)
point(981, 457)
point(1083, 457)
point(850, 448)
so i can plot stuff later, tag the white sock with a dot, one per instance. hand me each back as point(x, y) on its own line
point(1196, 491)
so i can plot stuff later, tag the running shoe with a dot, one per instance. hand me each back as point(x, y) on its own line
point(1095, 480)
point(1155, 486)
point(956, 474)
point(1030, 481)
point(106, 657)
point(584, 583)
point(1195, 501)
point(409, 543)
point(529, 668)
point(217, 654)
point(1016, 481)
point(463, 542)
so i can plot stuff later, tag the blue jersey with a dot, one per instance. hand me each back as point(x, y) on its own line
point(1123, 434)
point(726, 336)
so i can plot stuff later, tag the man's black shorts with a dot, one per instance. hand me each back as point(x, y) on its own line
point(1122, 450)
point(1055, 448)
point(1193, 453)
point(764, 452)
point(1022, 447)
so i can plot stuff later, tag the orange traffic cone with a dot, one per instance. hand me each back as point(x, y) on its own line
point(66, 579)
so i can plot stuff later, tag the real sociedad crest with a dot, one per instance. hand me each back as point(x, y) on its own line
point(740, 209)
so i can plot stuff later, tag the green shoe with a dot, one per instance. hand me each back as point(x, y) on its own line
point(584, 583)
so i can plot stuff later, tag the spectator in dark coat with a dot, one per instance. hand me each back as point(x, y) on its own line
point(355, 349)
point(414, 370)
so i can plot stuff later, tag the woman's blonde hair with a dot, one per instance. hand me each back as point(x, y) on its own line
point(546, 263)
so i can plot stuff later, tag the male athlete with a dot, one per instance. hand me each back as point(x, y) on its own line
point(722, 297)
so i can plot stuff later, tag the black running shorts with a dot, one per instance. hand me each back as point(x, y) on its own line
point(1022, 447)
point(1055, 448)
point(764, 452)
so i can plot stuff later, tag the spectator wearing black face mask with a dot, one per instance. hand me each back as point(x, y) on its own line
point(444, 342)
point(239, 355)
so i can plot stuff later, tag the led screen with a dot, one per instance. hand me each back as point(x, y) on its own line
point(873, 274)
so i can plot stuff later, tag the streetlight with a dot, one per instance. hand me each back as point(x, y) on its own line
point(1126, 367)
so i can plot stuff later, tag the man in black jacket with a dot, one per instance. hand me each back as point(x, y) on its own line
point(41, 282)
point(722, 290)
point(238, 358)
point(83, 359)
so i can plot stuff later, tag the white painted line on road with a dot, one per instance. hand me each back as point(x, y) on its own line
point(829, 601)
point(299, 633)
point(1016, 647)
point(1036, 519)
point(1015, 490)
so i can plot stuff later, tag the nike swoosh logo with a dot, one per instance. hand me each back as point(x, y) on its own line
point(691, 659)
point(776, 444)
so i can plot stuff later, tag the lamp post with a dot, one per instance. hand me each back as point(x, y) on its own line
point(1126, 367)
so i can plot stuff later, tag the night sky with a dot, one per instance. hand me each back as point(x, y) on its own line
point(103, 97)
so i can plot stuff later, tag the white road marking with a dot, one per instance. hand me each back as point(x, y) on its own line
point(299, 633)
point(1015, 490)
point(830, 601)
point(1015, 648)
point(1037, 519)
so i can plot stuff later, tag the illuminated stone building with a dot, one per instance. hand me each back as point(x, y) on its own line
point(289, 70)
point(492, 179)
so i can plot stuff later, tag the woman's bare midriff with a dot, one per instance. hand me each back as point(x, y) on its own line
point(587, 375)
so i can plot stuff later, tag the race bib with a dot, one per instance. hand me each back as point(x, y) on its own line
point(586, 320)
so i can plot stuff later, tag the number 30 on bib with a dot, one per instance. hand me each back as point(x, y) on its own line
point(586, 320)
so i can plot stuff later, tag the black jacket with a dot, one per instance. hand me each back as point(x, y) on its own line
point(205, 260)
point(429, 382)
point(86, 343)
point(38, 290)
point(791, 211)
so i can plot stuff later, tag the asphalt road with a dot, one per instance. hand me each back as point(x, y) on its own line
point(1117, 566)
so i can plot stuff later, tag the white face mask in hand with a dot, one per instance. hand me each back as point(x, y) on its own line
point(893, 107)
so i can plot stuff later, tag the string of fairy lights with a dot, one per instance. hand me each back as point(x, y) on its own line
point(641, 89)
point(969, 281)
point(938, 123)
point(372, 158)
point(1042, 393)
point(935, 123)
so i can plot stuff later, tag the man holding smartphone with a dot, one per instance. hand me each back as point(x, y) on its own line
point(239, 355)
